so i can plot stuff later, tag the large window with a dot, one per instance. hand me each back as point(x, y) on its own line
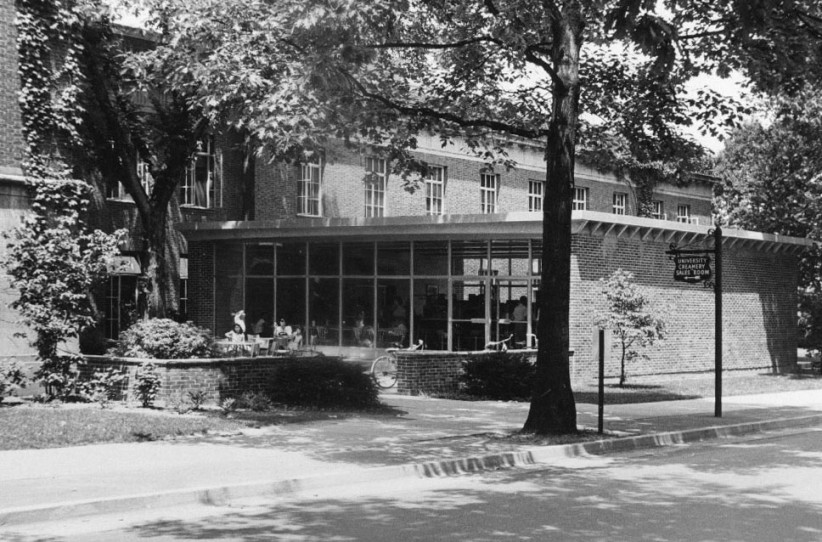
point(376, 176)
point(489, 185)
point(435, 190)
point(683, 213)
point(456, 294)
point(183, 309)
point(659, 210)
point(201, 186)
point(620, 203)
point(121, 304)
point(536, 189)
point(115, 190)
point(309, 193)
point(580, 202)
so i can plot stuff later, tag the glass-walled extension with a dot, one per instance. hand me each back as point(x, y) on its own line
point(453, 295)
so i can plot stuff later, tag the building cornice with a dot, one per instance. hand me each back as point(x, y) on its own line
point(517, 225)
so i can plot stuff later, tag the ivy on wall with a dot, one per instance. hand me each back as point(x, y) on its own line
point(54, 261)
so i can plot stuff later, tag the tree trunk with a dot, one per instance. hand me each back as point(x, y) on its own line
point(553, 410)
point(159, 289)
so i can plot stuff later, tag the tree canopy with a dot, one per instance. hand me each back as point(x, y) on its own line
point(602, 77)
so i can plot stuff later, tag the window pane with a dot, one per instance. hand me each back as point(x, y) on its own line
point(469, 258)
point(469, 315)
point(358, 313)
point(358, 258)
point(291, 301)
point(324, 259)
point(259, 306)
point(392, 316)
point(259, 259)
point(431, 258)
point(394, 258)
point(431, 312)
point(324, 311)
point(291, 259)
point(510, 257)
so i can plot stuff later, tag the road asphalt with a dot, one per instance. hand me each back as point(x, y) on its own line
point(419, 437)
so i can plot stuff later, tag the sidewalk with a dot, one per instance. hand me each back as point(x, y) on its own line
point(423, 437)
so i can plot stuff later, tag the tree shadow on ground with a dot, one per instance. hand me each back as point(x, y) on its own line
point(281, 415)
point(632, 393)
point(679, 498)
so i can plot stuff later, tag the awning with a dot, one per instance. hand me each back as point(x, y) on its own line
point(123, 265)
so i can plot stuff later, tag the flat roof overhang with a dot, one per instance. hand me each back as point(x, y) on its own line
point(519, 225)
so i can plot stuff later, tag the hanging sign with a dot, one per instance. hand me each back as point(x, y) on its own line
point(692, 267)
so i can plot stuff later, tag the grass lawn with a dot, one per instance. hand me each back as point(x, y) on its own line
point(44, 426)
point(28, 426)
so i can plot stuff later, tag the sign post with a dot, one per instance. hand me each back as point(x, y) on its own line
point(718, 322)
point(694, 266)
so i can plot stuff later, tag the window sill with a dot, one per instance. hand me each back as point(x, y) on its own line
point(307, 215)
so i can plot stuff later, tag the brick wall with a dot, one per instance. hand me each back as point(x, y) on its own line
point(218, 378)
point(759, 308)
point(343, 190)
point(431, 372)
point(11, 148)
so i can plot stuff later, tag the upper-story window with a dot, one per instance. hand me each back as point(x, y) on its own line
point(309, 188)
point(658, 211)
point(489, 185)
point(620, 203)
point(202, 184)
point(536, 189)
point(683, 213)
point(376, 176)
point(580, 202)
point(435, 190)
point(116, 190)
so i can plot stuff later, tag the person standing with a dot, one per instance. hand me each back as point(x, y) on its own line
point(520, 317)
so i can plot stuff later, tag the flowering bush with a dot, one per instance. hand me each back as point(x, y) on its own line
point(161, 338)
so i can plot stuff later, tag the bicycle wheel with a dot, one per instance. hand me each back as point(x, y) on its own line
point(384, 371)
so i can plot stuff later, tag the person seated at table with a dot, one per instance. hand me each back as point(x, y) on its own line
point(236, 335)
point(363, 334)
point(397, 333)
point(296, 339)
point(282, 334)
point(283, 330)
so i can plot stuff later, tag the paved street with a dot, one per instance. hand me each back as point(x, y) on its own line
point(758, 488)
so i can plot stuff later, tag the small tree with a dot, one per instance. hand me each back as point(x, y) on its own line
point(628, 317)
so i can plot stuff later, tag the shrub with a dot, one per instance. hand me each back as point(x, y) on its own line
point(503, 376)
point(322, 383)
point(12, 377)
point(162, 338)
point(106, 386)
point(197, 398)
point(256, 401)
point(147, 384)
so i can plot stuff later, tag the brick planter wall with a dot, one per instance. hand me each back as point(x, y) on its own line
point(427, 372)
point(218, 378)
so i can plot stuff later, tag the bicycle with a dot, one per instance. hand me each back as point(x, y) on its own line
point(384, 368)
point(499, 346)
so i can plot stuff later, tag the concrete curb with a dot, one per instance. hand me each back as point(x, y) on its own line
point(537, 455)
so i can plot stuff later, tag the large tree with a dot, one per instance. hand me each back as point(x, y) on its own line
point(295, 73)
point(112, 122)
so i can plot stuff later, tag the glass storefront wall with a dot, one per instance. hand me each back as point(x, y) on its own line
point(453, 295)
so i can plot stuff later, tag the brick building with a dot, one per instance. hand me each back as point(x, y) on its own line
point(338, 244)
point(13, 195)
